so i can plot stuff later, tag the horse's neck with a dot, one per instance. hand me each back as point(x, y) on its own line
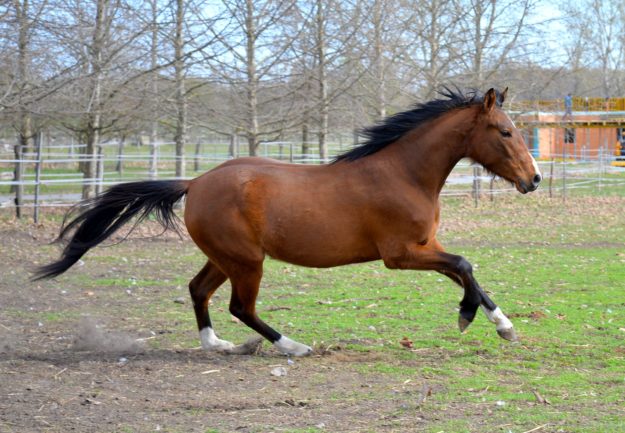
point(427, 155)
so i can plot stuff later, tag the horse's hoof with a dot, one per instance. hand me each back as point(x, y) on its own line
point(463, 323)
point(300, 351)
point(292, 348)
point(508, 334)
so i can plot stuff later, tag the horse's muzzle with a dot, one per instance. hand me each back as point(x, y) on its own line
point(525, 187)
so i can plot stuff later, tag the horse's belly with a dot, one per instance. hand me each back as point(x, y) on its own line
point(316, 245)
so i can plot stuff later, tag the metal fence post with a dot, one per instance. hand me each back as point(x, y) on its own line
point(38, 144)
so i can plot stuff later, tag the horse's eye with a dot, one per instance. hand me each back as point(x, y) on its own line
point(506, 133)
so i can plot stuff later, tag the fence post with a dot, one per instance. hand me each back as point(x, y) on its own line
point(492, 194)
point(600, 167)
point(99, 170)
point(290, 151)
point(196, 157)
point(18, 178)
point(120, 156)
point(564, 172)
point(38, 144)
point(153, 159)
point(477, 183)
point(551, 177)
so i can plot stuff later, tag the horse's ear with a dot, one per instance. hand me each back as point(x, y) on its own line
point(490, 100)
point(502, 95)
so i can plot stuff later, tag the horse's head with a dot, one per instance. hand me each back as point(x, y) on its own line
point(498, 145)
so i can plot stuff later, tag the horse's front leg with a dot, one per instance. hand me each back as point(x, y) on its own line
point(430, 257)
point(468, 305)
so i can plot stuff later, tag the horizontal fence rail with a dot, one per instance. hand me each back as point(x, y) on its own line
point(50, 176)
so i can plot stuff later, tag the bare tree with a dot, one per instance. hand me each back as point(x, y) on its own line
point(439, 37)
point(604, 24)
point(154, 79)
point(494, 29)
point(22, 80)
point(385, 42)
point(103, 40)
point(181, 97)
point(329, 41)
point(249, 59)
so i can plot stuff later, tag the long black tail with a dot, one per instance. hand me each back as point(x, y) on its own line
point(100, 217)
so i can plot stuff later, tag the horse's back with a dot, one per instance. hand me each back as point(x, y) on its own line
point(296, 213)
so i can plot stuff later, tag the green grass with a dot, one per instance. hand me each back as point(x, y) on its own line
point(557, 269)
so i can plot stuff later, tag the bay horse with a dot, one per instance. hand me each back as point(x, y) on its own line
point(379, 200)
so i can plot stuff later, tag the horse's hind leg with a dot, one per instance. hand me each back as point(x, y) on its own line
point(202, 287)
point(245, 285)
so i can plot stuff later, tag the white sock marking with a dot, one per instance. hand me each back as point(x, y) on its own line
point(211, 342)
point(290, 347)
point(498, 318)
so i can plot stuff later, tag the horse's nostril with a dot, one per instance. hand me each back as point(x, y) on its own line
point(537, 179)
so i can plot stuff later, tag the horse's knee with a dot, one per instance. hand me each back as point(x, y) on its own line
point(462, 266)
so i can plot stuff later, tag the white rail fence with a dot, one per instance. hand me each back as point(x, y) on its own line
point(49, 176)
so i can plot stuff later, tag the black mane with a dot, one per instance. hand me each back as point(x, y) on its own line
point(394, 127)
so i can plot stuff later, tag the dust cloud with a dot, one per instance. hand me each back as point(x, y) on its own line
point(93, 336)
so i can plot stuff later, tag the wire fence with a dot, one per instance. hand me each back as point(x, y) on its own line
point(50, 176)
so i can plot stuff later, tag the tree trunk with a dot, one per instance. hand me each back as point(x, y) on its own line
point(252, 80)
point(94, 111)
point(323, 83)
point(305, 138)
point(22, 12)
point(181, 98)
point(153, 65)
point(379, 61)
point(477, 55)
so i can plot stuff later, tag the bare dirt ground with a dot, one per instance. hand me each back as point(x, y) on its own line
point(74, 374)
point(60, 374)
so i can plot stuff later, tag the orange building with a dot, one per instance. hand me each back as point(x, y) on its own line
point(583, 135)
